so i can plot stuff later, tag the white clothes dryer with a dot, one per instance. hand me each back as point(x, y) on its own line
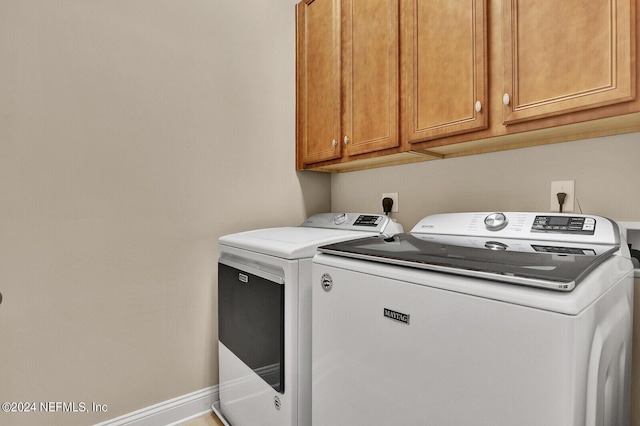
point(264, 316)
point(484, 319)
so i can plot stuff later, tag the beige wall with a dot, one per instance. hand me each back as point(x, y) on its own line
point(606, 173)
point(132, 135)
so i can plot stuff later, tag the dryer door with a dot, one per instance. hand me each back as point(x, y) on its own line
point(251, 319)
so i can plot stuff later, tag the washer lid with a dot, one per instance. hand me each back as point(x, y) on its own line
point(547, 264)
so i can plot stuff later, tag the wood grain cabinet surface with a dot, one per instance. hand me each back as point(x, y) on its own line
point(445, 68)
point(348, 74)
point(385, 82)
point(318, 81)
point(565, 56)
point(370, 71)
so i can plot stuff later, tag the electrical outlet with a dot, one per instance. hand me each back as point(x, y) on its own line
point(394, 197)
point(566, 186)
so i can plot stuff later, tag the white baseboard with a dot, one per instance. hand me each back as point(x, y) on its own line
point(172, 412)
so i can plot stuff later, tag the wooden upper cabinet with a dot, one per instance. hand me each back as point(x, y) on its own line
point(347, 78)
point(318, 81)
point(565, 56)
point(381, 82)
point(370, 72)
point(445, 67)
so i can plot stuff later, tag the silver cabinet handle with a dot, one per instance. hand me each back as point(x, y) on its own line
point(478, 106)
point(346, 140)
point(334, 143)
point(506, 99)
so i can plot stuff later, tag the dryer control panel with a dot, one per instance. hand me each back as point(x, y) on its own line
point(354, 222)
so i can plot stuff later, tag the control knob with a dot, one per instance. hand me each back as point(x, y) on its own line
point(340, 218)
point(495, 221)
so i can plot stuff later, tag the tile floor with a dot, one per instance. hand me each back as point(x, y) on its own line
point(206, 420)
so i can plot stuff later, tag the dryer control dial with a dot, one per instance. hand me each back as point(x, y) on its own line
point(495, 221)
point(340, 218)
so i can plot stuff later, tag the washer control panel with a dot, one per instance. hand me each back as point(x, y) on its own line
point(564, 224)
point(540, 226)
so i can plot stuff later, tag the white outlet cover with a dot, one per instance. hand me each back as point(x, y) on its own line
point(394, 197)
point(566, 186)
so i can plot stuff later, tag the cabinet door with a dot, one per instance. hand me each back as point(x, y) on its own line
point(370, 75)
point(569, 55)
point(318, 81)
point(445, 69)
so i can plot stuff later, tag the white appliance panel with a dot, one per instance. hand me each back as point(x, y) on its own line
point(246, 399)
point(523, 225)
point(297, 242)
point(463, 359)
point(242, 391)
point(275, 257)
point(287, 242)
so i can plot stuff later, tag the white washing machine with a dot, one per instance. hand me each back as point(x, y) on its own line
point(476, 319)
point(264, 316)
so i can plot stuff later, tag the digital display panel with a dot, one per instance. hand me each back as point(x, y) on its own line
point(365, 220)
point(559, 221)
